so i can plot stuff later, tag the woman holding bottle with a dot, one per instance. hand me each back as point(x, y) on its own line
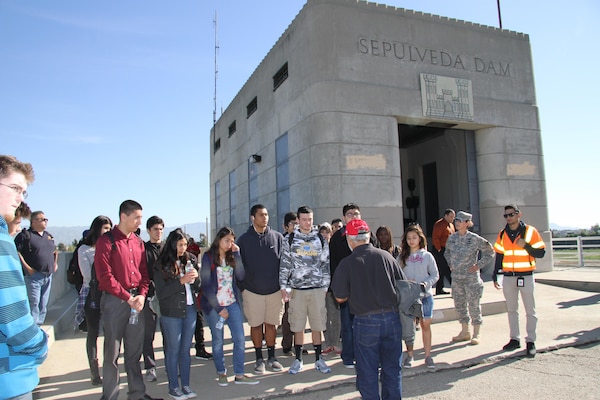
point(177, 286)
point(221, 269)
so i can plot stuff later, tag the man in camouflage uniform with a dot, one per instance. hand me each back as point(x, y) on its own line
point(463, 249)
point(304, 269)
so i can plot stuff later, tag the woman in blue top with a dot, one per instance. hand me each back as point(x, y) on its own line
point(177, 285)
point(221, 269)
point(419, 266)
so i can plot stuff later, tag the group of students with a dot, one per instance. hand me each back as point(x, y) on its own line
point(305, 263)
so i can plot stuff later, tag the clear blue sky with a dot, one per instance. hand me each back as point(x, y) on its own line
point(93, 90)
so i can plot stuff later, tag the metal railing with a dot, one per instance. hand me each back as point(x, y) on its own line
point(580, 250)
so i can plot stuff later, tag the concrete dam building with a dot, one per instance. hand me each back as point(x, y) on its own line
point(403, 113)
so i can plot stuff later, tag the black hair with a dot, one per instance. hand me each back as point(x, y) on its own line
point(350, 206)
point(153, 220)
point(128, 206)
point(167, 259)
point(304, 210)
point(255, 208)
point(289, 217)
point(214, 247)
point(449, 211)
point(95, 230)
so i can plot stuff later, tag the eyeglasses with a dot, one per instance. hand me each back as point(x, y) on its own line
point(16, 189)
point(351, 214)
point(41, 219)
point(512, 214)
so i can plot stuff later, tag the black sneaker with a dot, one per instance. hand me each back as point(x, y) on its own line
point(513, 344)
point(531, 349)
point(203, 355)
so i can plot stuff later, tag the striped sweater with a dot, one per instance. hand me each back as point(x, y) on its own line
point(23, 345)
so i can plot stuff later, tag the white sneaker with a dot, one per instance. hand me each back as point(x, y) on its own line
point(296, 367)
point(322, 366)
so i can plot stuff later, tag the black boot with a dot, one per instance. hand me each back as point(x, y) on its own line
point(96, 380)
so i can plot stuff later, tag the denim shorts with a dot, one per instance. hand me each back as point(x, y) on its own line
point(427, 307)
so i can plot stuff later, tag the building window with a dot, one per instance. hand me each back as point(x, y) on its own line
point(282, 173)
point(280, 76)
point(218, 204)
point(251, 107)
point(232, 128)
point(232, 198)
point(252, 182)
point(217, 145)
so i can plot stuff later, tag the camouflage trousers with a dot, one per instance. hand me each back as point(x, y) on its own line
point(467, 295)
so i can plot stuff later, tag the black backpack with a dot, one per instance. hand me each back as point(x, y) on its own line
point(74, 276)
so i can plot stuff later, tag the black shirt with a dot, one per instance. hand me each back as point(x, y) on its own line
point(366, 277)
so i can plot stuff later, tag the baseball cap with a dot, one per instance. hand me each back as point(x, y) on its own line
point(357, 227)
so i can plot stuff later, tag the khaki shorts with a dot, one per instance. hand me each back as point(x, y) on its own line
point(263, 308)
point(307, 303)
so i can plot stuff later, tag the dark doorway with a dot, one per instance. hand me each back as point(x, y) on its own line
point(430, 191)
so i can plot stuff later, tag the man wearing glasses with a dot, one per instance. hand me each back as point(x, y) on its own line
point(517, 246)
point(23, 345)
point(338, 250)
point(40, 260)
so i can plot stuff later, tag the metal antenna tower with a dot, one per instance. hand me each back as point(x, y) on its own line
point(216, 71)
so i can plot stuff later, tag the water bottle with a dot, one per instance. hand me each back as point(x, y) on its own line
point(219, 324)
point(189, 267)
point(133, 317)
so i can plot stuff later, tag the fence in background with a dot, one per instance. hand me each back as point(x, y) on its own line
point(578, 251)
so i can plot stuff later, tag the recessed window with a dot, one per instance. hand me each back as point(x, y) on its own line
point(251, 107)
point(280, 76)
point(217, 145)
point(232, 128)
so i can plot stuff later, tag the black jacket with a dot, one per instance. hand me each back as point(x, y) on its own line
point(171, 293)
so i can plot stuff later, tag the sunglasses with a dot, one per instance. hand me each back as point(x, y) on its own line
point(512, 214)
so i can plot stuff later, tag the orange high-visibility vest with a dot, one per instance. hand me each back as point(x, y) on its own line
point(516, 258)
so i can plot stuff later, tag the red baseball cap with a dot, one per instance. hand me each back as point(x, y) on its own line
point(357, 227)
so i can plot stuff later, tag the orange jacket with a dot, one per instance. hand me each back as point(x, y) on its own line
point(441, 231)
point(516, 258)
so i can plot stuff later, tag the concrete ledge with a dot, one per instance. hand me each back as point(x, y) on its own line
point(449, 314)
point(593, 287)
point(61, 316)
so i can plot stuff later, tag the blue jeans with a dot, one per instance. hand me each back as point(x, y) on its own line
point(38, 291)
point(346, 319)
point(178, 334)
point(378, 342)
point(235, 324)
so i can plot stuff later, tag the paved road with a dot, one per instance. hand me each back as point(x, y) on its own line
point(568, 373)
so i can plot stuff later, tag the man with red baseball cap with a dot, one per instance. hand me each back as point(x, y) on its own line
point(365, 279)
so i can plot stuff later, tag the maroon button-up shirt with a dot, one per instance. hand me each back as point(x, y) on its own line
point(123, 268)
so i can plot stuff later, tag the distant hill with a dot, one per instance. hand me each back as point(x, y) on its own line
point(66, 234)
point(556, 227)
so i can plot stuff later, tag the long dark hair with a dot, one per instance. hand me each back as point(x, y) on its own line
point(214, 247)
point(405, 252)
point(96, 230)
point(167, 259)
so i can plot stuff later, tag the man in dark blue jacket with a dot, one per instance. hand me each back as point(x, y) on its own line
point(260, 248)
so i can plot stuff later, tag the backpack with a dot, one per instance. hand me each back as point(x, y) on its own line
point(95, 293)
point(74, 276)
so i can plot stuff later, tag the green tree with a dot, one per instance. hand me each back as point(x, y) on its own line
point(203, 242)
point(61, 247)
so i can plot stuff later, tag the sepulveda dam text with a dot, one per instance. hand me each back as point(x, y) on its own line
point(417, 54)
